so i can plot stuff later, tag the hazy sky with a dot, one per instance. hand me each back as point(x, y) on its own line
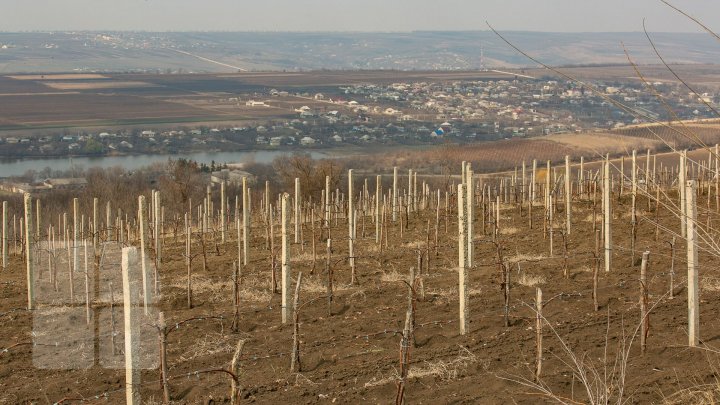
point(352, 15)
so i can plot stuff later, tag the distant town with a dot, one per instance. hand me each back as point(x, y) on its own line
point(401, 113)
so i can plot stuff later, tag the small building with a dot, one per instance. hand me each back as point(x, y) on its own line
point(68, 183)
point(306, 141)
point(231, 176)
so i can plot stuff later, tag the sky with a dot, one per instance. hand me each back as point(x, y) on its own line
point(354, 15)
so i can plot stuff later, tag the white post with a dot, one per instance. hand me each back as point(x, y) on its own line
point(634, 186)
point(223, 212)
point(327, 201)
point(285, 277)
point(692, 260)
point(296, 203)
point(462, 256)
point(76, 229)
point(4, 235)
point(533, 181)
point(682, 174)
point(378, 195)
point(246, 220)
point(568, 193)
point(581, 177)
point(132, 335)
point(157, 217)
point(95, 227)
point(351, 218)
point(142, 224)
point(29, 252)
point(607, 215)
point(469, 213)
point(394, 194)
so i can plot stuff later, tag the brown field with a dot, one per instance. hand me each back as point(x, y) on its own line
point(97, 85)
point(71, 109)
point(67, 76)
point(698, 74)
point(352, 354)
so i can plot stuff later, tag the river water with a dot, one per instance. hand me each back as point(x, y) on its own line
point(17, 167)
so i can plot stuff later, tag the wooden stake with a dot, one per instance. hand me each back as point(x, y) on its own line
point(235, 369)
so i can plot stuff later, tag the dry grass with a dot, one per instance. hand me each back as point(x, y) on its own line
point(710, 284)
point(531, 280)
point(707, 394)
point(521, 257)
point(511, 230)
point(445, 371)
point(210, 344)
point(318, 285)
point(393, 277)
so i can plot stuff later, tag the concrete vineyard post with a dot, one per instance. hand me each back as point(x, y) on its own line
point(692, 263)
point(469, 214)
point(4, 241)
point(38, 219)
point(76, 230)
point(607, 216)
point(285, 258)
point(296, 203)
point(581, 177)
point(395, 194)
point(538, 333)
point(327, 202)
point(682, 174)
point(108, 214)
point(157, 237)
point(378, 193)
point(462, 257)
point(523, 193)
point(246, 220)
point(95, 227)
point(162, 336)
point(533, 181)
point(295, 364)
point(142, 224)
point(351, 224)
point(29, 252)
point(132, 334)
point(568, 196)
point(223, 213)
point(644, 315)
point(634, 186)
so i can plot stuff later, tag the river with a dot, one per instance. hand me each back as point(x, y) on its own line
point(17, 167)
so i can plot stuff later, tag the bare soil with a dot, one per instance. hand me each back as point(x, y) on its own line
point(352, 355)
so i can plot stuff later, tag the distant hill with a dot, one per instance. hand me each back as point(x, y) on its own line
point(214, 52)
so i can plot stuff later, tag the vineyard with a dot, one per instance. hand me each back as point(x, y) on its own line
point(574, 283)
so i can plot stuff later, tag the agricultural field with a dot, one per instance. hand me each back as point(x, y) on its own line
point(29, 102)
point(379, 315)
